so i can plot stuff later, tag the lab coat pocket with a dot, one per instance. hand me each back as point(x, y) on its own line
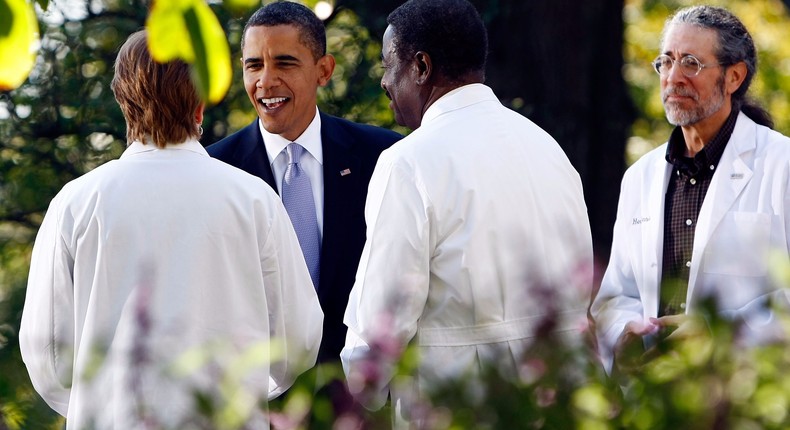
point(739, 245)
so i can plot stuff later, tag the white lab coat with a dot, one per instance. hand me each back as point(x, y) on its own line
point(154, 257)
point(477, 230)
point(743, 218)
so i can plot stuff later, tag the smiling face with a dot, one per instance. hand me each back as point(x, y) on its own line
point(281, 77)
point(691, 100)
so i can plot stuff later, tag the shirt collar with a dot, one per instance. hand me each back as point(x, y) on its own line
point(708, 158)
point(138, 147)
point(458, 98)
point(310, 139)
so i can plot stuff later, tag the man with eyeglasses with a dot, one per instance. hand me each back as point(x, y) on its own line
point(699, 216)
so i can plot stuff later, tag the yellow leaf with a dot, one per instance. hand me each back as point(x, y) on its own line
point(168, 38)
point(18, 42)
point(189, 30)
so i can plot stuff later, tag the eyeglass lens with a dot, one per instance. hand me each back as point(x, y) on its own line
point(689, 65)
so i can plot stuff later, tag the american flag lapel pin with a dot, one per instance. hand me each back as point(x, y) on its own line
point(345, 172)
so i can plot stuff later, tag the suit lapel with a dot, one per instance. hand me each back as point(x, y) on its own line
point(727, 184)
point(341, 186)
point(251, 155)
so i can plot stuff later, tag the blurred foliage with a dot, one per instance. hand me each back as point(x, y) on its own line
point(63, 122)
point(767, 21)
point(705, 379)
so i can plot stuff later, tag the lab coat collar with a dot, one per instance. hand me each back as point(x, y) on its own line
point(459, 98)
point(138, 147)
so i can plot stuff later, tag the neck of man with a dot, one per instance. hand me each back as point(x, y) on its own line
point(442, 86)
point(697, 135)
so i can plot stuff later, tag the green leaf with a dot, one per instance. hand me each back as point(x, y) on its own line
point(188, 30)
point(5, 18)
point(18, 42)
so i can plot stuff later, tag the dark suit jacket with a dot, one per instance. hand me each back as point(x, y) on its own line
point(346, 145)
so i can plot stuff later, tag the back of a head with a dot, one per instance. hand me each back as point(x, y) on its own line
point(451, 32)
point(158, 100)
point(735, 44)
point(311, 28)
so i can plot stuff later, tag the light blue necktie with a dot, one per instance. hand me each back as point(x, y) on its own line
point(298, 201)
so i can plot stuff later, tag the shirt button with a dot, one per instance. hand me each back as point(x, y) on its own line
point(692, 181)
point(688, 264)
point(682, 306)
point(712, 167)
point(689, 222)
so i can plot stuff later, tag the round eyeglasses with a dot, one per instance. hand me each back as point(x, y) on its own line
point(690, 66)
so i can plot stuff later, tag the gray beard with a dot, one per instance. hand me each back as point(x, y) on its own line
point(683, 118)
point(680, 117)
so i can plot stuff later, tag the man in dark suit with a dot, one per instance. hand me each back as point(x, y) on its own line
point(285, 61)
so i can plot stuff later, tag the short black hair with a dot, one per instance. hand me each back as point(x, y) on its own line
point(451, 32)
point(311, 28)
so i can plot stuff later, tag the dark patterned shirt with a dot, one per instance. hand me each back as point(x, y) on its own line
point(685, 193)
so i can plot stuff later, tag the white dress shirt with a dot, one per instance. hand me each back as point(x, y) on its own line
point(312, 161)
point(476, 224)
point(148, 260)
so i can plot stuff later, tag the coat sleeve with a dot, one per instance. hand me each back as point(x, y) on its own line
point(46, 335)
point(391, 287)
point(295, 315)
point(618, 300)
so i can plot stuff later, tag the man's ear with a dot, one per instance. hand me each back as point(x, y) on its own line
point(326, 66)
point(423, 67)
point(734, 77)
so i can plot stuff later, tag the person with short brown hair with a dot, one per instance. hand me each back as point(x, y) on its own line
point(160, 254)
